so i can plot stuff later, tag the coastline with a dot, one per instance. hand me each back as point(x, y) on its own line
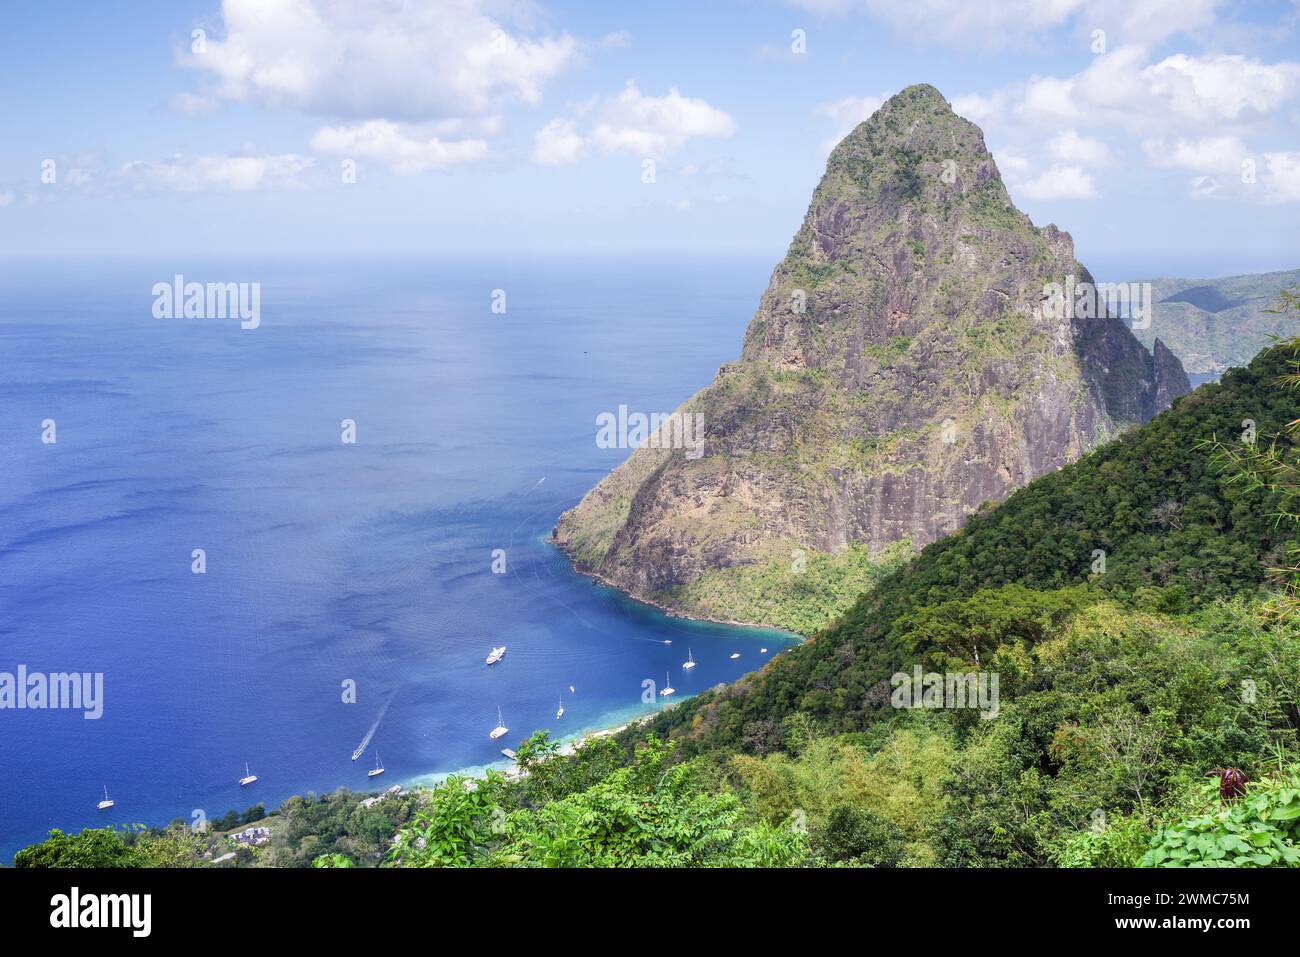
point(568, 746)
point(671, 612)
point(608, 725)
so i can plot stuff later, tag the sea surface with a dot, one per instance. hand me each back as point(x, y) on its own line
point(329, 565)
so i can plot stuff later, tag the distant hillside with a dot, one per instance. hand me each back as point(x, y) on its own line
point(1216, 324)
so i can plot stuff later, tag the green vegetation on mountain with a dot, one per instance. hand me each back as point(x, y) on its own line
point(1148, 518)
point(800, 592)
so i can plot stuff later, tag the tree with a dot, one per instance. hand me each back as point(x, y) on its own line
point(97, 847)
point(851, 833)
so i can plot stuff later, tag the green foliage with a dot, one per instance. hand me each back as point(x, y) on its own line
point(459, 823)
point(173, 846)
point(898, 786)
point(851, 833)
point(800, 601)
point(93, 847)
point(1259, 829)
point(1119, 842)
point(641, 814)
point(338, 823)
point(1274, 468)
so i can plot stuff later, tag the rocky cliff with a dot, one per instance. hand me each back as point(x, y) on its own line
point(906, 364)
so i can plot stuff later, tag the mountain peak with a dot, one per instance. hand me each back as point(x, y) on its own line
point(900, 371)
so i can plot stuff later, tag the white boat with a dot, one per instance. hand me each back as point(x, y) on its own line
point(248, 778)
point(667, 689)
point(107, 803)
point(508, 753)
point(358, 752)
point(762, 651)
point(735, 655)
point(501, 728)
point(497, 655)
point(668, 641)
point(571, 690)
point(690, 660)
point(379, 768)
point(560, 714)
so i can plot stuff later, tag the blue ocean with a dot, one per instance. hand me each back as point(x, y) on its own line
point(328, 565)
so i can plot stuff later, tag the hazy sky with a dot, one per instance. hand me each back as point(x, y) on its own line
point(1167, 143)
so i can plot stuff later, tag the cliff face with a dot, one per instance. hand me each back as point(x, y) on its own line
point(904, 366)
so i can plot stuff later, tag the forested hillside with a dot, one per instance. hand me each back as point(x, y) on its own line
point(1175, 530)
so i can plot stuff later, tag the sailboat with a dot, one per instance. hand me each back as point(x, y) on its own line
point(379, 768)
point(690, 660)
point(107, 803)
point(735, 655)
point(496, 655)
point(667, 689)
point(501, 728)
point(560, 714)
point(248, 778)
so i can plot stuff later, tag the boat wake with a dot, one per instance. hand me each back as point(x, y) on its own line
point(365, 742)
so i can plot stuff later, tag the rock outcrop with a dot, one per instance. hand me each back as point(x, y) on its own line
point(906, 364)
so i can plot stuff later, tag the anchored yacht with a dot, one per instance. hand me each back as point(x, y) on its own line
point(501, 728)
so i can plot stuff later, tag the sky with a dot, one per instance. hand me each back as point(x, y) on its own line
point(1162, 135)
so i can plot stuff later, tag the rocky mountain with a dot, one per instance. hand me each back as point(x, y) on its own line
point(909, 361)
point(1215, 324)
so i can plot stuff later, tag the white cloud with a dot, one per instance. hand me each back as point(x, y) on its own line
point(1282, 177)
point(1087, 120)
point(1214, 154)
point(1060, 182)
point(1222, 88)
point(1069, 147)
point(631, 122)
point(1227, 169)
point(975, 107)
point(402, 151)
point(956, 22)
point(558, 143)
point(186, 174)
point(1180, 92)
point(377, 58)
point(993, 27)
